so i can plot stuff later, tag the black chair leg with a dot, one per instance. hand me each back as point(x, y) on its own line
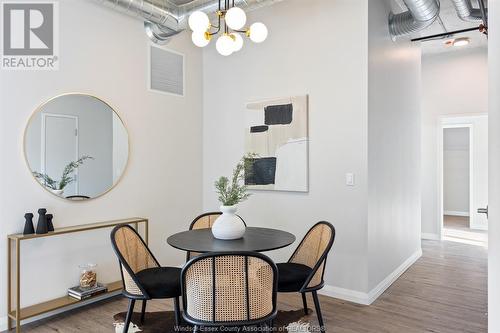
point(318, 311)
point(143, 311)
point(304, 301)
point(177, 312)
point(128, 318)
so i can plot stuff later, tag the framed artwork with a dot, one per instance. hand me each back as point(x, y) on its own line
point(277, 138)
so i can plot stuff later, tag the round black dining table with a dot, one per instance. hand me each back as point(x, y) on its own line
point(254, 240)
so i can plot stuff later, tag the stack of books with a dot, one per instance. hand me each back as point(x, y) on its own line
point(83, 293)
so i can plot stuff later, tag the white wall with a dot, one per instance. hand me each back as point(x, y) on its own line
point(294, 61)
point(103, 53)
point(494, 166)
point(452, 84)
point(335, 75)
point(120, 148)
point(456, 160)
point(393, 151)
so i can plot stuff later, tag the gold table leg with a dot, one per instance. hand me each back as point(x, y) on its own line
point(9, 283)
point(18, 286)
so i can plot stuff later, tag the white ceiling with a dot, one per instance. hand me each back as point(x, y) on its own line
point(451, 22)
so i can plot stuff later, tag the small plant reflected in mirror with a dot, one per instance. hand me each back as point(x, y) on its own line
point(67, 177)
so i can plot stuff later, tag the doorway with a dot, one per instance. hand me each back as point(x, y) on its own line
point(463, 149)
point(59, 146)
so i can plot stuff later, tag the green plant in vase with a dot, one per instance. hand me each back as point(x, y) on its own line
point(231, 192)
point(67, 177)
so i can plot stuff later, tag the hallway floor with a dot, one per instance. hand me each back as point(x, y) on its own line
point(456, 229)
point(444, 291)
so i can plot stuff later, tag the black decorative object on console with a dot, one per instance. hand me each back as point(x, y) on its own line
point(50, 225)
point(41, 226)
point(28, 224)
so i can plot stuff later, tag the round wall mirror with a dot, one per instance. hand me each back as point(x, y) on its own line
point(76, 146)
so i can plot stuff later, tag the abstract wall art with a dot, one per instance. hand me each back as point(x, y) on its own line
point(277, 138)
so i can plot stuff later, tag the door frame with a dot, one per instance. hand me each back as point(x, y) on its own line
point(455, 121)
point(43, 157)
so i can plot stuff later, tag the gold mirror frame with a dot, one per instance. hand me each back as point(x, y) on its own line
point(38, 109)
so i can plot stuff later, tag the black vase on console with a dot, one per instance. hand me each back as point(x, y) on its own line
point(28, 224)
point(41, 226)
point(50, 224)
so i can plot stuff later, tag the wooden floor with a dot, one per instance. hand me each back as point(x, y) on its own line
point(456, 222)
point(445, 291)
point(457, 229)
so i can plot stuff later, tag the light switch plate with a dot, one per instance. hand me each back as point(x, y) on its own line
point(349, 179)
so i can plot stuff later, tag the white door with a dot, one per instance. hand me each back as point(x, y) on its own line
point(59, 146)
point(480, 173)
point(494, 170)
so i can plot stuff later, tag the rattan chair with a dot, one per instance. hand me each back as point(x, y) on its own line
point(143, 277)
point(303, 273)
point(236, 289)
point(204, 221)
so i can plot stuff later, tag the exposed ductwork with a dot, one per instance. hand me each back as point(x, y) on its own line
point(466, 12)
point(164, 19)
point(158, 34)
point(420, 15)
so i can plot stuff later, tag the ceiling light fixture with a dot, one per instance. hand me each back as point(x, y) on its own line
point(462, 41)
point(231, 25)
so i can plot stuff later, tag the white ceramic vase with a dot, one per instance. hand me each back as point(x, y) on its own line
point(228, 226)
point(58, 192)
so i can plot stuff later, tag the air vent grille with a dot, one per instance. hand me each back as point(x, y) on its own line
point(167, 71)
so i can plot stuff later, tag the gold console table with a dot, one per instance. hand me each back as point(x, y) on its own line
point(16, 314)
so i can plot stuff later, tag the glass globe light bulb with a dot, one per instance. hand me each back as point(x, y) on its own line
point(200, 38)
point(199, 21)
point(258, 32)
point(237, 42)
point(236, 18)
point(225, 45)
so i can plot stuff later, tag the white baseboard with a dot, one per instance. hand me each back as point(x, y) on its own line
point(479, 227)
point(370, 297)
point(3, 320)
point(456, 213)
point(349, 295)
point(430, 236)
point(391, 278)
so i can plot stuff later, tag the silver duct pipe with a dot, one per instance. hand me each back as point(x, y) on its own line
point(466, 12)
point(161, 15)
point(158, 34)
point(420, 15)
point(163, 19)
